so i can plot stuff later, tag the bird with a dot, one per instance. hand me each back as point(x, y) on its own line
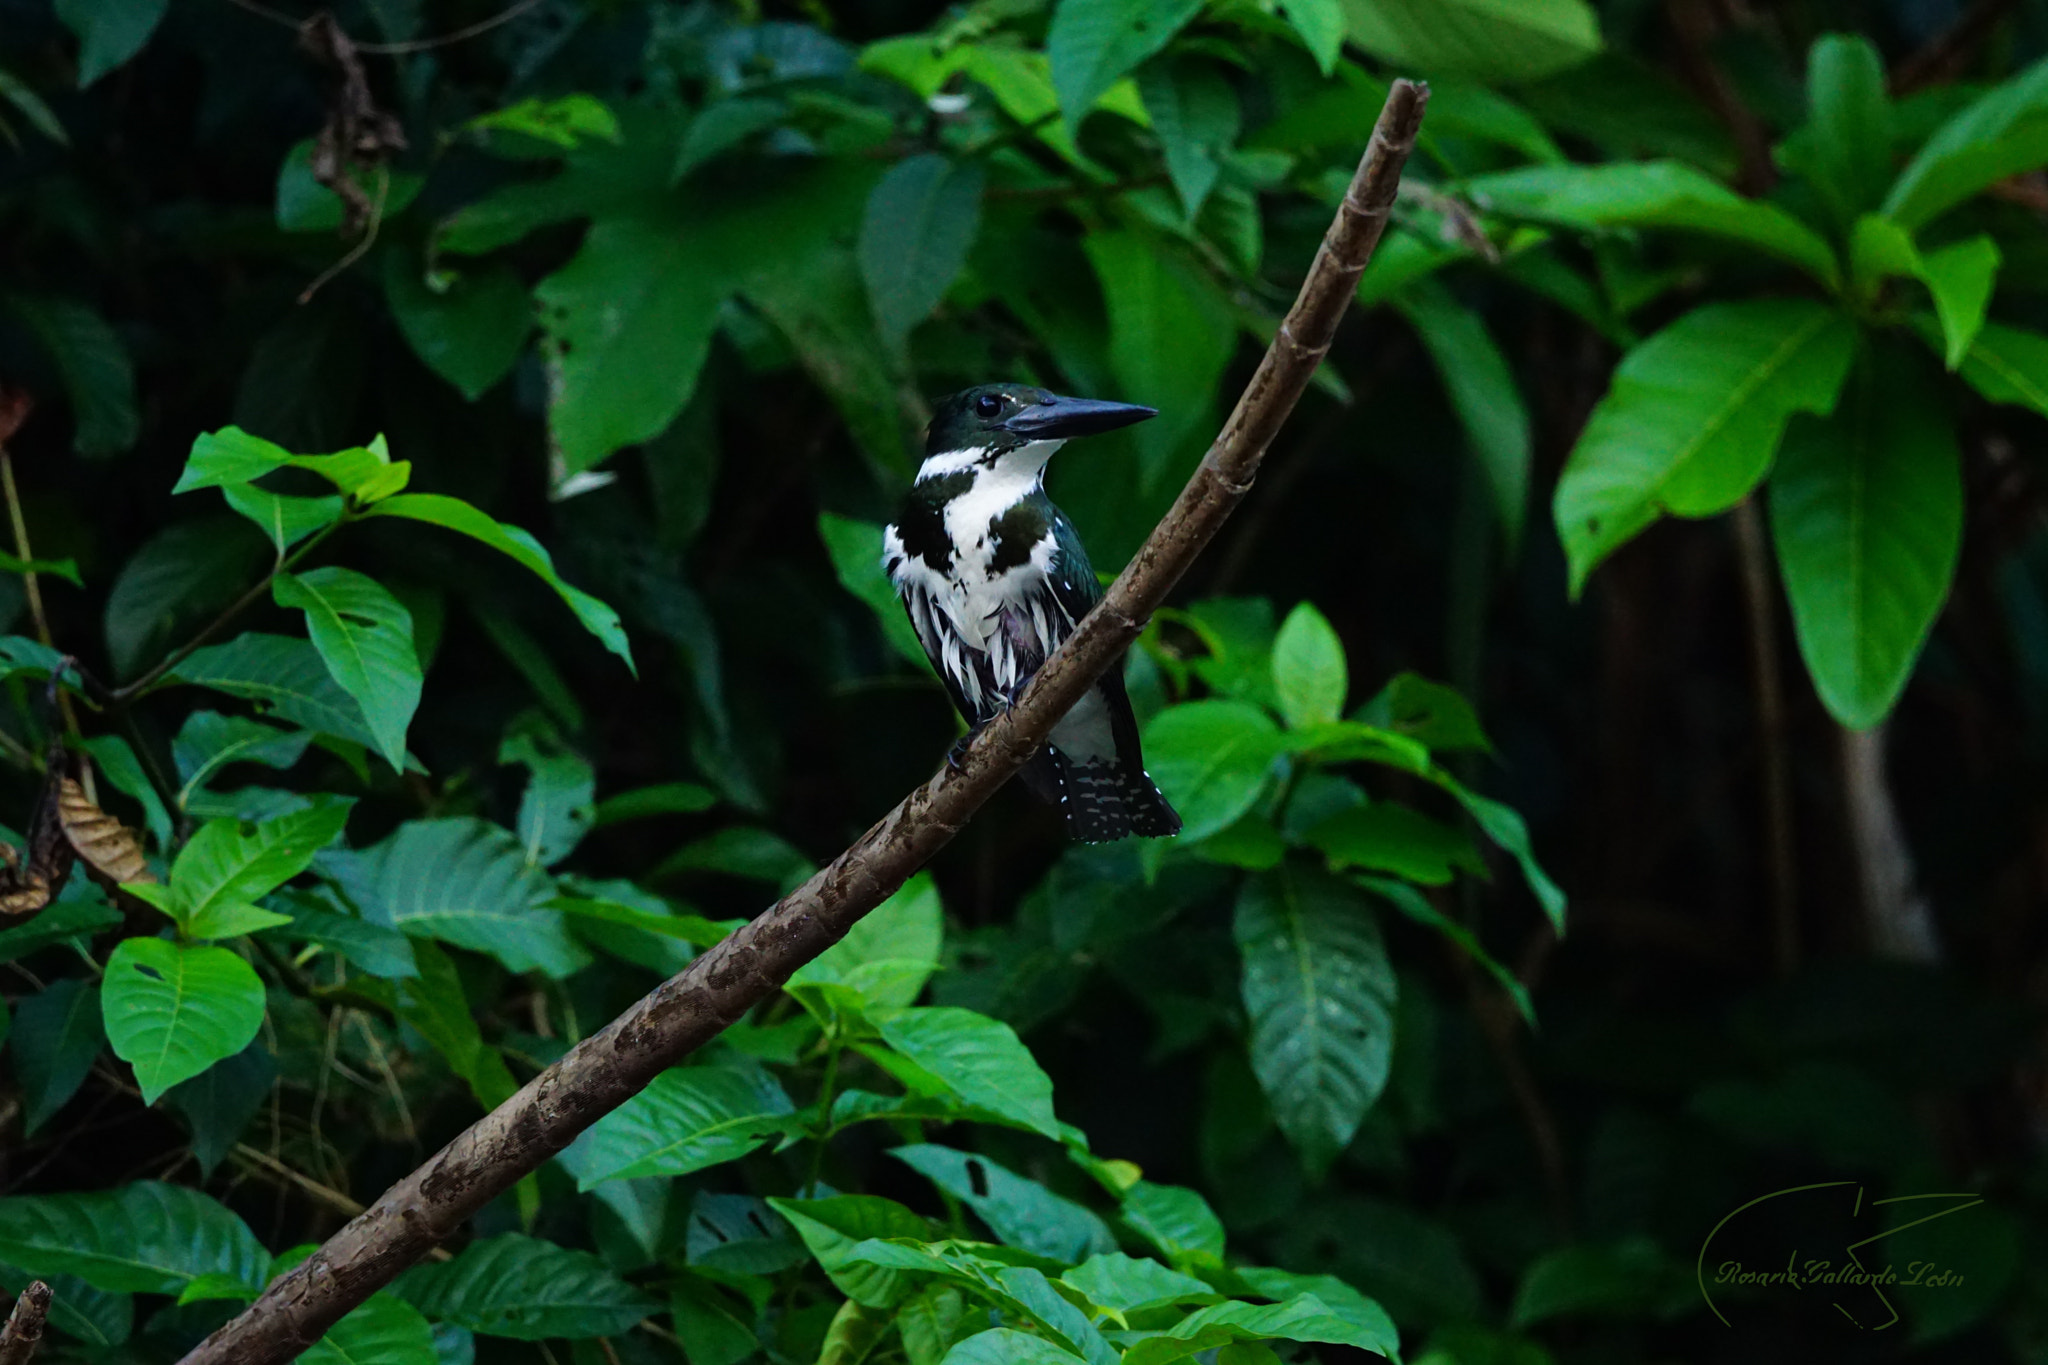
point(994, 578)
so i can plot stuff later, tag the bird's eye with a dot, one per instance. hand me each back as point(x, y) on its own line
point(988, 405)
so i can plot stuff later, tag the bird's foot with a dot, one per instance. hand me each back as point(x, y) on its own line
point(958, 750)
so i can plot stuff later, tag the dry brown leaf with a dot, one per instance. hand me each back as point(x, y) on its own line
point(107, 845)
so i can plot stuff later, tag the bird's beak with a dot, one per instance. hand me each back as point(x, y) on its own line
point(1064, 417)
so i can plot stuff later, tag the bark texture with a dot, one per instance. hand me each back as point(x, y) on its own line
point(691, 1008)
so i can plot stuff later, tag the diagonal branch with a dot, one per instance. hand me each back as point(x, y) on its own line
point(693, 1007)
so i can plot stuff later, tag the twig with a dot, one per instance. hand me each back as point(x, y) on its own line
point(693, 1007)
point(24, 1330)
point(1766, 681)
point(30, 586)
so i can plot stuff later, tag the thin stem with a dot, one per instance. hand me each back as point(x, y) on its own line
point(128, 692)
point(32, 587)
point(825, 1088)
point(1766, 682)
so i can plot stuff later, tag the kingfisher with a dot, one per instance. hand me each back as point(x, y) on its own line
point(994, 578)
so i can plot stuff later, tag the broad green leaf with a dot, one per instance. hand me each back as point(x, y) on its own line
point(383, 1330)
point(1093, 43)
point(456, 515)
point(929, 1320)
point(172, 1012)
point(1021, 1212)
point(227, 863)
point(1177, 1220)
point(1958, 276)
point(98, 376)
point(628, 322)
point(1170, 334)
point(2008, 365)
point(855, 547)
point(1008, 1346)
point(920, 223)
point(712, 1327)
point(890, 952)
point(55, 1037)
point(1633, 1278)
point(1495, 40)
point(218, 1103)
point(93, 1316)
point(979, 1059)
point(1845, 150)
point(373, 948)
point(689, 1118)
point(1694, 417)
point(1125, 1284)
point(1320, 23)
point(123, 771)
point(2003, 133)
point(521, 1287)
point(833, 1227)
point(1505, 826)
point(1483, 394)
point(1301, 1318)
point(1309, 674)
point(78, 913)
point(1418, 907)
point(564, 121)
point(1388, 837)
point(469, 326)
point(1666, 194)
point(1320, 995)
point(285, 675)
point(56, 568)
point(143, 1238)
point(1212, 760)
point(1336, 1295)
point(555, 810)
point(32, 107)
point(1194, 111)
point(109, 31)
point(210, 741)
point(663, 798)
point(1434, 715)
point(464, 881)
point(738, 1232)
point(179, 577)
point(1866, 515)
point(300, 203)
point(432, 1001)
point(231, 456)
point(365, 636)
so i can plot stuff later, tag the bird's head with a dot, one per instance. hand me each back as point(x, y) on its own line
point(983, 424)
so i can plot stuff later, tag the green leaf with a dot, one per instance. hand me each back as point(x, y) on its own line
point(303, 204)
point(143, 1238)
point(232, 456)
point(1416, 906)
point(172, 1012)
point(210, 741)
point(365, 636)
point(1630, 1279)
point(1505, 827)
point(98, 376)
point(1866, 515)
point(2008, 365)
point(565, 121)
point(123, 771)
point(1387, 837)
point(979, 1059)
point(227, 864)
point(687, 1119)
point(1958, 276)
point(1309, 675)
point(218, 1103)
point(2004, 133)
point(521, 1287)
point(383, 1330)
point(1337, 1296)
point(920, 223)
point(1093, 43)
point(1301, 1318)
point(1211, 759)
point(833, 1227)
point(179, 576)
point(95, 1317)
point(1170, 334)
point(464, 881)
point(663, 798)
point(555, 810)
point(77, 913)
point(284, 674)
point(457, 515)
point(55, 1037)
point(855, 547)
point(469, 326)
point(1846, 147)
point(1177, 1220)
point(709, 1324)
point(627, 325)
point(109, 31)
point(888, 954)
point(373, 948)
point(30, 105)
point(432, 1001)
point(1483, 394)
point(1320, 994)
point(1694, 417)
point(1666, 194)
point(1495, 40)
point(1430, 713)
point(1124, 1284)
point(1021, 1212)
point(1320, 23)
point(57, 568)
point(1194, 111)
point(1008, 1346)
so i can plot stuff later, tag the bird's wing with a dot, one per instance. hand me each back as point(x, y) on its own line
point(1073, 585)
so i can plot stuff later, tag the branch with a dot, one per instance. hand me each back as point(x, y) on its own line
point(693, 1007)
point(24, 1330)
